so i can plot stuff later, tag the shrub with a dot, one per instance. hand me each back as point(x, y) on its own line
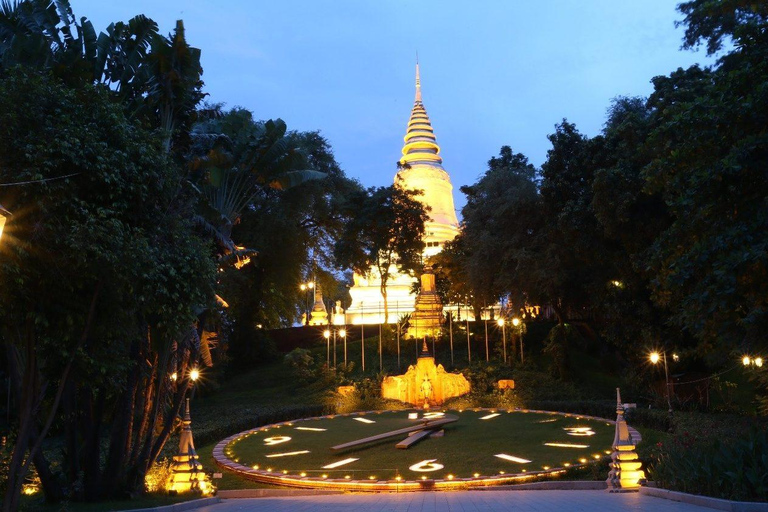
point(301, 362)
point(733, 469)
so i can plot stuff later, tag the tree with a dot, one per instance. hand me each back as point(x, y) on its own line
point(385, 233)
point(101, 277)
point(500, 219)
point(711, 264)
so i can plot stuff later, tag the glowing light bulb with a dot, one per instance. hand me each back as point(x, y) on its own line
point(655, 357)
point(194, 374)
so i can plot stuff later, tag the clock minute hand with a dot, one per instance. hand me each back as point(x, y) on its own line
point(431, 424)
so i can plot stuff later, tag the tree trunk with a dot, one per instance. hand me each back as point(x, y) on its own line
point(48, 481)
point(122, 428)
point(71, 462)
point(18, 468)
point(92, 447)
point(15, 468)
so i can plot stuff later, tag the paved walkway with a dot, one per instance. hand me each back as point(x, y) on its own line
point(464, 501)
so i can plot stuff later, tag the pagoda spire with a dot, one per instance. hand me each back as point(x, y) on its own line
point(418, 82)
point(420, 143)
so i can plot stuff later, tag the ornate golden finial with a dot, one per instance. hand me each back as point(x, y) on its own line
point(418, 81)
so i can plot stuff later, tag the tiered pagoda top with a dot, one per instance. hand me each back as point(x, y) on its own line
point(420, 143)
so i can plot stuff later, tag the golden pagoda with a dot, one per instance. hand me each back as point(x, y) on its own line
point(319, 314)
point(626, 472)
point(421, 168)
point(428, 316)
point(186, 471)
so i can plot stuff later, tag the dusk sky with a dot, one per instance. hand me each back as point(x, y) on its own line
point(493, 73)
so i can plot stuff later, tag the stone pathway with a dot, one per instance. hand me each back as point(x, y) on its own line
point(463, 501)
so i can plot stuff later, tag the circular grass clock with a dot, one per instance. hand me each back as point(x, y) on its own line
point(410, 449)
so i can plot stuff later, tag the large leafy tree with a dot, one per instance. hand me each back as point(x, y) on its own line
point(102, 275)
point(500, 220)
point(154, 81)
point(256, 175)
point(385, 233)
point(156, 78)
point(711, 156)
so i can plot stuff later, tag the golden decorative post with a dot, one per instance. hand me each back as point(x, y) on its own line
point(625, 474)
point(186, 471)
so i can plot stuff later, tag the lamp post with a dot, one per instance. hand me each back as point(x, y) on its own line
point(4, 214)
point(469, 346)
point(752, 361)
point(501, 323)
point(516, 324)
point(655, 357)
point(487, 355)
point(327, 335)
point(306, 287)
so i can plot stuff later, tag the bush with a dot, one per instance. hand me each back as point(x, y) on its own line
point(733, 469)
point(366, 396)
point(301, 362)
point(498, 399)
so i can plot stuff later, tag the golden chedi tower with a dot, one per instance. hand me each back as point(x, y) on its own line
point(427, 318)
point(425, 383)
point(421, 168)
point(186, 470)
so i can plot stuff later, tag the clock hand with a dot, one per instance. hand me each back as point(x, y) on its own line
point(427, 425)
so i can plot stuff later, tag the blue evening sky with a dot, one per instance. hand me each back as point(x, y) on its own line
point(493, 72)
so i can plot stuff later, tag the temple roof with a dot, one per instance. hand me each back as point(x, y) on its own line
point(420, 143)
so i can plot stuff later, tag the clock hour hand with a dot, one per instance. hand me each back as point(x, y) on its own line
point(427, 425)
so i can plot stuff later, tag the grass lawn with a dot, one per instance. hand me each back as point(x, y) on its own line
point(469, 445)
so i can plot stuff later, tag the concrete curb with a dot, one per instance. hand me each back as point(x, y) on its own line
point(272, 493)
point(179, 507)
point(705, 501)
point(565, 485)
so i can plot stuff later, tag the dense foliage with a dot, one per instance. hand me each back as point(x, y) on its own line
point(733, 469)
point(652, 231)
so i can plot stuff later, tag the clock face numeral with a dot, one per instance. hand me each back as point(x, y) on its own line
point(579, 431)
point(426, 466)
point(271, 441)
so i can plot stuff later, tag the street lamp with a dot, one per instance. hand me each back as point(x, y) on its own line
point(655, 357)
point(501, 323)
point(752, 361)
point(306, 287)
point(327, 335)
point(516, 324)
point(4, 214)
